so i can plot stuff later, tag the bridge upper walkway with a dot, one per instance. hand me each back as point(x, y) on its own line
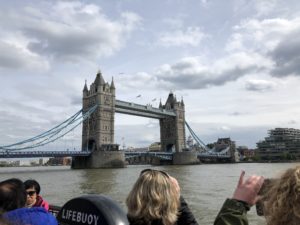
point(142, 110)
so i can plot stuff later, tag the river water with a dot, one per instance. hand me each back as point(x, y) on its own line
point(205, 187)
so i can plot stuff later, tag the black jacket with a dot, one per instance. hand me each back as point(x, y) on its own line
point(185, 217)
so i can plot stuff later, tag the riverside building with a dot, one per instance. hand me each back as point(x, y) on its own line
point(281, 144)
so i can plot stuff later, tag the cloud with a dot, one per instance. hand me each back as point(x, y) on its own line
point(259, 85)
point(292, 122)
point(225, 128)
point(274, 39)
point(174, 23)
point(265, 7)
point(266, 46)
point(68, 31)
point(14, 57)
point(286, 56)
point(189, 73)
point(192, 36)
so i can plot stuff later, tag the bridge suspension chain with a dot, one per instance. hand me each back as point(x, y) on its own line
point(196, 138)
point(53, 134)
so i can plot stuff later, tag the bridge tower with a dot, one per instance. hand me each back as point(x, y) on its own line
point(172, 133)
point(172, 129)
point(98, 130)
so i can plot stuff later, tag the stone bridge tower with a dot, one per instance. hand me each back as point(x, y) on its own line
point(98, 130)
point(172, 129)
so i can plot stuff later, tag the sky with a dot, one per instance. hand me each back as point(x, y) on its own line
point(235, 64)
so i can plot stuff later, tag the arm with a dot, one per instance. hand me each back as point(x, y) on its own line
point(234, 210)
point(186, 216)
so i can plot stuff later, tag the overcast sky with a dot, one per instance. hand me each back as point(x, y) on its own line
point(235, 63)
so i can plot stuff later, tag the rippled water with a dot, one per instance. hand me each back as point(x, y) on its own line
point(205, 187)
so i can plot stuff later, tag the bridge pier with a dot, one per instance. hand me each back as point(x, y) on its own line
point(100, 159)
point(185, 158)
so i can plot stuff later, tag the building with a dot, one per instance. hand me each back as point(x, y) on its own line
point(281, 144)
point(245, 153)
point(155, 147)
point(59, 161)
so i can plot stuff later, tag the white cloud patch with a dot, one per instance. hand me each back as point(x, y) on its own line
point(260, 85)
point(264, 7)
point(274, 39)
point(192, 36)
point(68, 31)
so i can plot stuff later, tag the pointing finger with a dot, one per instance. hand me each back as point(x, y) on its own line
point(241, 180)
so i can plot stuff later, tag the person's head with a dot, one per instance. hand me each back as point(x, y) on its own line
point(154, 196)
point(12, 195)
point(33, 190)
point(283, 199)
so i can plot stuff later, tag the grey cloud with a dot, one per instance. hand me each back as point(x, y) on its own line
point(71, 45)
point(286, 56)
point(292, 122)
point(14, 57)
point(259, 85)
point(16, 128)
point(202, 79)
point(76, 100)
point(236, 114)
point(10, 56)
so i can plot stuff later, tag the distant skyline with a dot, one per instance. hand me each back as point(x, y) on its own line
point(235, 63)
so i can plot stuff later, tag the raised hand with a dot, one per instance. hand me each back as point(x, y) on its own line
point(247, 190)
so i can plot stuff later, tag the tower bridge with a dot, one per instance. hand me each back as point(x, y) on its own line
point(98, 149)
point(98, 130)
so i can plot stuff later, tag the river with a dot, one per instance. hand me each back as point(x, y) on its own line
point(205, 187)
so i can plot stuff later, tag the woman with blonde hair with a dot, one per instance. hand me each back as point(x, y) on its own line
point(155, 200)
point(282, 204)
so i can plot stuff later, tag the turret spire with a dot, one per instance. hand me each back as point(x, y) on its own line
point(112, 85)
point(85, 89)
point(99, 79)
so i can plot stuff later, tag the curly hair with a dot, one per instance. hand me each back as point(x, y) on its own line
point(283, 199)
point(153, 197)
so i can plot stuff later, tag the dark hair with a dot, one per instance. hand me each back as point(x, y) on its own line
point(12, 195)
point(4, 221)
point(33, 184)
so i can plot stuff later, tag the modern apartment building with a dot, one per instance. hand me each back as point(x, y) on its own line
point(281, 144)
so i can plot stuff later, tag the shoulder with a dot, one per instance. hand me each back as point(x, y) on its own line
point(40, 202)
point(33, 216)
point(185, 214)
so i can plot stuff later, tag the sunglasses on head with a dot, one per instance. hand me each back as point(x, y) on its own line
point(150, 170)
point(30, 193)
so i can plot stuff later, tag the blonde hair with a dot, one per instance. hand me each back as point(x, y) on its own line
point(283, 199)
point(153, 197)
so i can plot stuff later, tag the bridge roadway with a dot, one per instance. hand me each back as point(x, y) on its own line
point(142, 110)
point(39, 154)
point(162, 155)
